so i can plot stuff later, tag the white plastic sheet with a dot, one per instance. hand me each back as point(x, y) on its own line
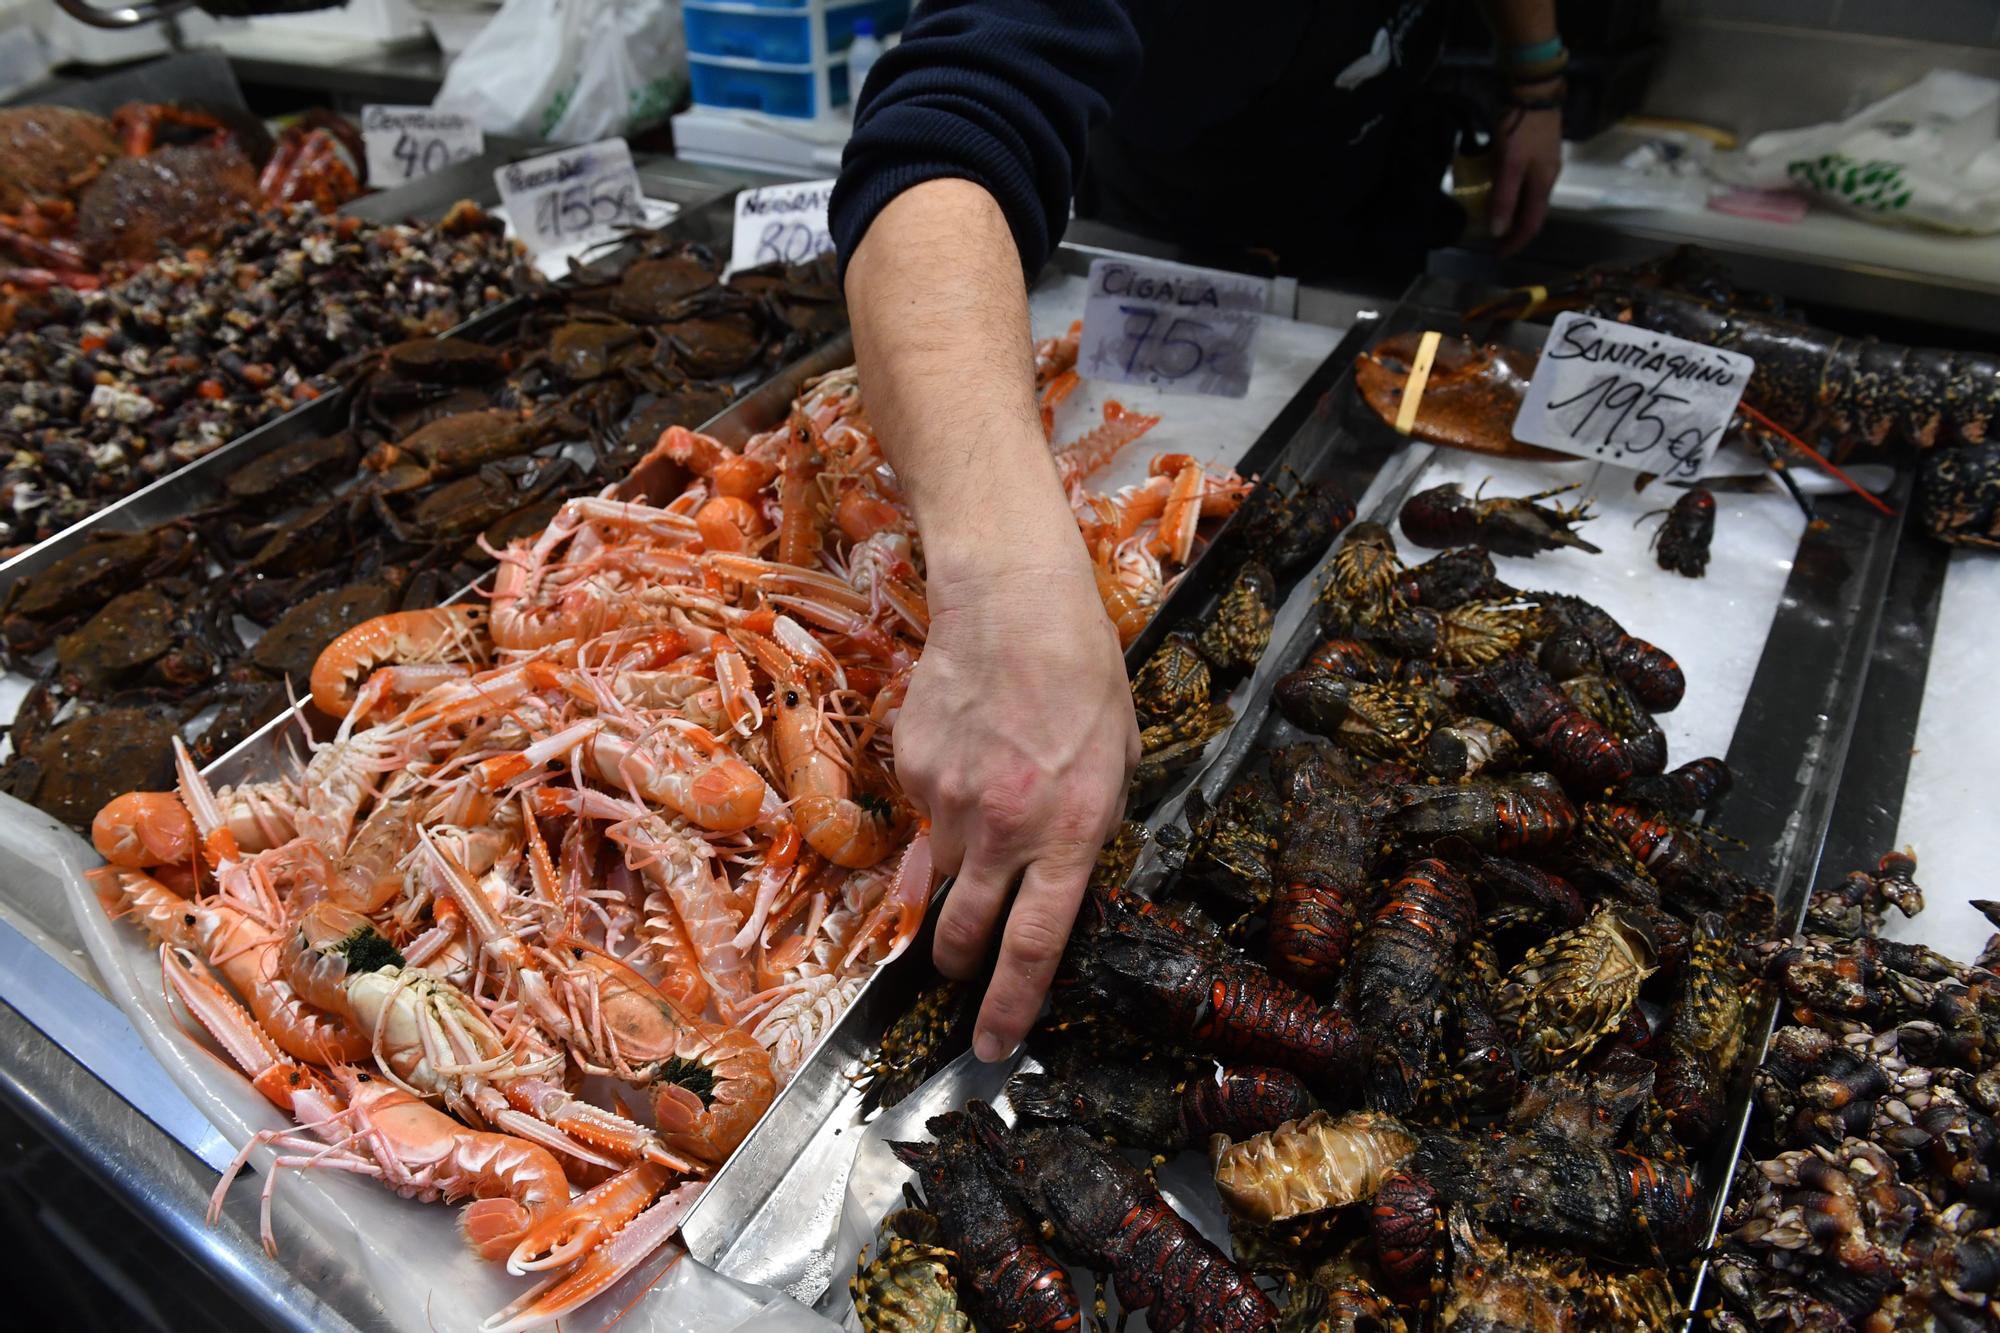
point(1948, 799)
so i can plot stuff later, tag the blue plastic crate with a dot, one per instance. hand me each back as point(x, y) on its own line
point(746, 31)
point(775, 90)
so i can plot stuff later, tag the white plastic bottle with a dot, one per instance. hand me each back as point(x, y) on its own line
point(862, 53)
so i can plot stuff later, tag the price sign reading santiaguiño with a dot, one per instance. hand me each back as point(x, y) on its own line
point(407, 143)
point(1174, 327)
point(578, 196)
point(1630, 397)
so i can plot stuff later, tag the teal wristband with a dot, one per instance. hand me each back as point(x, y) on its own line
point(1533, 55)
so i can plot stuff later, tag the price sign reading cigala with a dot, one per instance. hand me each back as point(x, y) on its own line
point(407, 143)
point(1173, 327)
point(578, 196)
point(1630, 397)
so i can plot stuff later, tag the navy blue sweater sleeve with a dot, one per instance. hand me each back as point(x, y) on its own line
point(1000, 92)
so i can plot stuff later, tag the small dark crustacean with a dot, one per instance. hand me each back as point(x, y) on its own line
point(1680, 793)
point(42, 605)
point(1361, 585)
point(1181, 986)
point(1239, 629)
point(1958, 494)
point(1107, 1212)
point(1346, 1304)
point(1445, 516)
point(1518, 814)
point(1608, 700)
point(1573, 989)
point(1156, 1104)
point(1407, 1224)
point(1453, 578)
point(908, 1286)
point(1547, 1189)
point(1230, 847)
point(1673, 854)
point(917, 1043)
point(1704, 1035)
point(1654, 677)
point(1579, 750)
point(1467, 749)
point(1376, 721)
point(1311, 1164)
point(1010, 1279)
point(1495, 1291)
point(1360, 661)
point(1816, 1089)
point(1288, 524)
point(1401, 962)
point(1173, 685)
point(1321, 879)
point(1681, 542)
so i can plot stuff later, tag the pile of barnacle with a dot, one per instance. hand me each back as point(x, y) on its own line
point(1447, 987)
point(448, 449)
point(105, 391)
point(1869, 1192)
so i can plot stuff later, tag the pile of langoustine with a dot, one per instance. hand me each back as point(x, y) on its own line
point(1445, 985)
point(631, 825)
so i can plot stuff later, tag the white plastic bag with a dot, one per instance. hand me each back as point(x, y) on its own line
point(571, 71)
point(1928, 155)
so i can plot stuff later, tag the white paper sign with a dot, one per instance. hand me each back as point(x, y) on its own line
point(781, 224)
point(1630, 397)
point(574, 197)
point(406, 143)
point(1174, 327)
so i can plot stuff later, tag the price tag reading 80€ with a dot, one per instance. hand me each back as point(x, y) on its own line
point(781, 224)
point(406, 143)
point(1173, 327)
point(578, 196)
point(1630, 397)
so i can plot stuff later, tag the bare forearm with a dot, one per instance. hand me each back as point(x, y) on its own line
point(942, 341)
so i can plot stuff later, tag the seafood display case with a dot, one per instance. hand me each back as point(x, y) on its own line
point(1298, 368)
point(1775, 642)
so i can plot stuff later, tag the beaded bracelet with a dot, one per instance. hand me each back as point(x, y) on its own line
point(1540, 70)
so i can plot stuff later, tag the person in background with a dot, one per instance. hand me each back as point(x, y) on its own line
point(1291, 131)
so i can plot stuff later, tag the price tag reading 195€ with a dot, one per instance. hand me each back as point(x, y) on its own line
point(1630, 397)
point(1171, 326)
point(407, 143)
point(578, 196)
point(781, 224)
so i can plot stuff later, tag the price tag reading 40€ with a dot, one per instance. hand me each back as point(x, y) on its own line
point(407, 143)
point(578, 196)
point(1629, 397)
point(1176, 328)
point(781, 224)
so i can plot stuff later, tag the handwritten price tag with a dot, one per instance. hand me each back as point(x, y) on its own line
point(1626, 396)
point(1174, 327)
point(781, 224)
point(576, 197)
point(406, 143)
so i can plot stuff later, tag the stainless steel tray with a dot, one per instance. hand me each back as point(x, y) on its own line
point(772, 1214)
point(1787, 748)
point(186, 489)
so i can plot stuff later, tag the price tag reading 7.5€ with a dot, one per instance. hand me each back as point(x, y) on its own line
point(1176, 328)
point(578, 196)
point(1630, 397)
point(407, 143)
point(781, 224)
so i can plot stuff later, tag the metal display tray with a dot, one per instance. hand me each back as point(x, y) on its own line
point(758, 409)
point(706, 217)
point(1787, 750)
point(772, 1214)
